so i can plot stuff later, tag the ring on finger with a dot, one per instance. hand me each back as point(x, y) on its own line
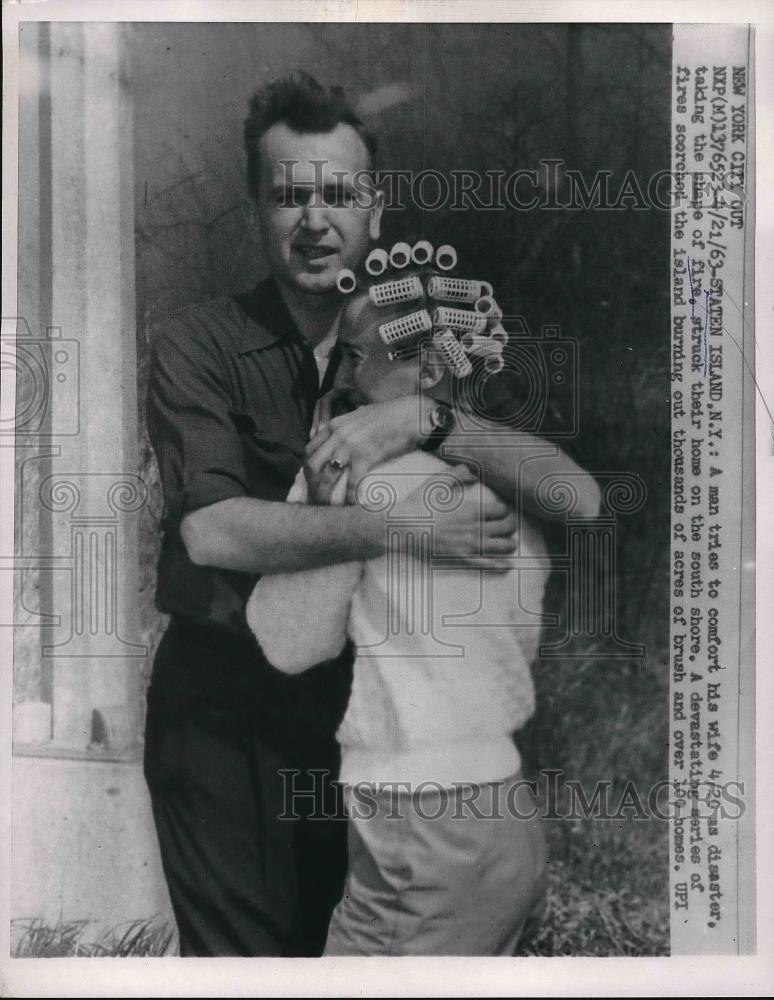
point(337, 464)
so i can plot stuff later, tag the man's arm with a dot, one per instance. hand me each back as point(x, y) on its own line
point(513, 463)
point(300, 619)
point(510, 462)
point(260, 536)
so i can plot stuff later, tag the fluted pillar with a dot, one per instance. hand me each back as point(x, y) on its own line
point(87, 492)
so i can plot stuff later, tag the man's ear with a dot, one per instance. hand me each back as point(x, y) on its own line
point(431, 370)
point(375, 223)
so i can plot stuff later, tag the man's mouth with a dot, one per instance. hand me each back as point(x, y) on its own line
point(316, 251)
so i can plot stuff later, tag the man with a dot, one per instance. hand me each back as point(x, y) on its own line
point(232, 391)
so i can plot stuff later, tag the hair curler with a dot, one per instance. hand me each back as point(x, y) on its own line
point(400, 255)
point(376, 262)
point(422, 253)
point(451, 351)
point(464, 320)
point(346, 281)
point(494, 363)
point(498, 333)
point(457, 289)
point(487, 306)
point(480, 345)
point(446, 258)
point(391, 293)
point(406, 326)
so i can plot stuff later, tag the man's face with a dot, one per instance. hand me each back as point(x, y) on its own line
point(313, 219)
point(365, 365)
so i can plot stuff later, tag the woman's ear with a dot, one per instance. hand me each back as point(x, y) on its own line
point(431, 370)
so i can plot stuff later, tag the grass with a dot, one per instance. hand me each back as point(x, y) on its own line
point(607, 891)
point(585, 920)
point(35, 938)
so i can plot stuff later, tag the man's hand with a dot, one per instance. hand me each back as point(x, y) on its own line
point(473, 524)
point(369, 436)
point(329, 488)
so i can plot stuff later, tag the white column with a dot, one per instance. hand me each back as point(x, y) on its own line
point(93, 492)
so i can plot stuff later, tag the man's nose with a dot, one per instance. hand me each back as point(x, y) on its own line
point(315, 216)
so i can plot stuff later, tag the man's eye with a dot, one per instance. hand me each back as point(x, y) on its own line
point(337, 197)
point(291, 198)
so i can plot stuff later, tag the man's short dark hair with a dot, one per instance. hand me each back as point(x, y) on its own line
point(304, 106)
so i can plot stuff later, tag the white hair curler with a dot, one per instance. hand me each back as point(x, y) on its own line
point(457, 289)
point(422, 253)
point(376, 262)
point(391, 293)
point(494, 363)
point(406, 326)
point(346, 281)
point(487, 306)
point(446, 258)
point(400, 255)
point(480, 345)
point(451, 351)
point(464, 320)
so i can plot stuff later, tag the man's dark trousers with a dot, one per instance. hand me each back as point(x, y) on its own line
point(228, 739)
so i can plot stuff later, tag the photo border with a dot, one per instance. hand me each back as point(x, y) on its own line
point(676, 976)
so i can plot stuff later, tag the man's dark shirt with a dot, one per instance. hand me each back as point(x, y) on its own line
point(230, 403)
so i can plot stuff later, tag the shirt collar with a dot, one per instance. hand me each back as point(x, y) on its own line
point(268, 317)
point(326, 345)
